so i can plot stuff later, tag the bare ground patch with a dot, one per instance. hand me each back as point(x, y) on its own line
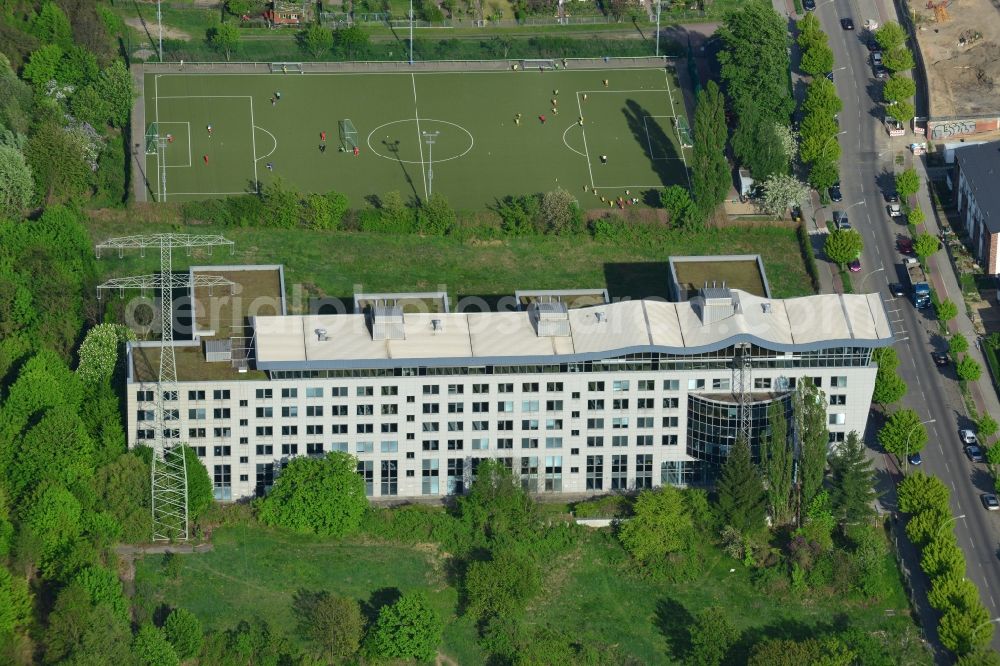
point(153, 29)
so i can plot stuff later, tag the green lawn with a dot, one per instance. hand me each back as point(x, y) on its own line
point(331, 263)
point(480, 153)
point(591, 592)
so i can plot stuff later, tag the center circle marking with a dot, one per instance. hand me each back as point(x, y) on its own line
point(372, 148)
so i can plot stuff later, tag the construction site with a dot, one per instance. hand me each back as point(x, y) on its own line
point(959, 42)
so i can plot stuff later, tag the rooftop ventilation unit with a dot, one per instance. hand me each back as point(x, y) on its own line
point(321, 335)
point(601, 317)
point(437, 325)
point(766, 307)
point(387, 323)
point(717, 303)
point(551, 319)
point(218, 351)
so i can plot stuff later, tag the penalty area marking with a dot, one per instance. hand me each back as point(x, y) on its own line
point(472, 141)
point(649, 141)
point(274, 148)
point(566, 143)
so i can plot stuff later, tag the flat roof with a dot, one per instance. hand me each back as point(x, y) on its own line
point(738, 271)
point(144, 362)
point(223, 311)
point(799, 324)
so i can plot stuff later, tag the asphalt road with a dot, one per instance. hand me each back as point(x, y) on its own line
point(866, 171)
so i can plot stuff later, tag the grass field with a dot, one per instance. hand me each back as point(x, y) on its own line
point(331, 263)
point(480, 152)
point(591, 592)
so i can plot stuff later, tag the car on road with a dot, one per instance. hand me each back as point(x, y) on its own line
point(941, 358)
point(847, 23)
point(914, 459)
point(897, 289)
point(809, 5)
point(974, 453)
point(840, 221)
point(876, 58)
point(855, 265)
point(967, 437)
point(990, 502)
point(881, 73)
point(836, 196)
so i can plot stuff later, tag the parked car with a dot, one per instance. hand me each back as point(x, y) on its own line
point(904, 244)
point(941, 358)
point(881, 73)
point(897, 289)
point(967, 437)
point(829, 75)
point(876, 58)
point(809, 5)
point(873, 44)
point(840, 221)
point(855, 265)
point(914, 459)
point(847, 23)
point(796, 214)
point(974, 453)
point(835, 194)
point(990, 501)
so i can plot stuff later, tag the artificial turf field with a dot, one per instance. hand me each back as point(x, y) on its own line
point(480, 154)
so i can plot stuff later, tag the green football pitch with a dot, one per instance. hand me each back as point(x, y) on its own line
point(455, 133)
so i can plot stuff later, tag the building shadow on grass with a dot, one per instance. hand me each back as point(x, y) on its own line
point(647, 279)
point(674, 622)
point(653, 138)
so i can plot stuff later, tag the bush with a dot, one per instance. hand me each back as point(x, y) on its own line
point(610, 506)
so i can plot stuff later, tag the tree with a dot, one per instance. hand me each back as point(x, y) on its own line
point(351, 41)
point(151, 648)
point(559, 211)
point(501, 586)
point(15, 602)
point(497, 509)
point(809, 410)
point(890, 35)
point(958, 344)
point(741, 493)
point(99, 352)
point(710, 176)
point(922, 527)
point(58, 163)
point(183, 630)
point(898, 60)
point(817, 60)
point(902, 111)
point(782, 191)
point(914, 217)
point(755, 64)
point(946, 310)
point(500, 45)
point(953, 592)
point(987, 427)
point(334, 624)
point(810, 32)
point(436, 216)
point(758, 146)
point(677, 201)
point(889, 386)
point(777, 458)
point(42, 65)
point(224, 38)
point(825, 172)
point(712, 636)
point(316, 40)
point(964, 630)
point(51, 26)
point(115, 87)
point(919, 492)
point(907, 183)
point(407, 629)
point(103, 587)
point(200, 490)
point(320, 495)
point(52, 518)
point(843, 245)
point(903, 433)
point(941, 556)
point(84, 633)
point(661, 525)
point(898, 88)
point(822, 99)
point(324, 211)
point(852, 487)
point(123, 489)
point(17, 187)
point(968, 369)
point(925, 245)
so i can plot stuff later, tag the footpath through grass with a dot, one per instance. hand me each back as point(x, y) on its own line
point(332, 263)
point(593, 591)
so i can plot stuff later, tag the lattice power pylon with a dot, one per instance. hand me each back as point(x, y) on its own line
point(169, 472)
point(742, 367)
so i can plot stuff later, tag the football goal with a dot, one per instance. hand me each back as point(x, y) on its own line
point(348, 135)
point(287, 68)
point(152, 133)
point(538, 64)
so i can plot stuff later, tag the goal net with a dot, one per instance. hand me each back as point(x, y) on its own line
point(348, 135)
point(287, 68)
point(152, 134)
point(538, 64)
point(684, 132)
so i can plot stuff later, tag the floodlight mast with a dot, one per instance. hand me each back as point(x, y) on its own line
point(168, 472)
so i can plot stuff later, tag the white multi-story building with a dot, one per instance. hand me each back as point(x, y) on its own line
point(604, 396)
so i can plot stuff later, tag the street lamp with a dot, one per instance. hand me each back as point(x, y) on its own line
point(906, 450)
point(948, 522)
point(983, 624)
point(861, 288)
point(411, 33)
point(857, 203)
point(822, 151)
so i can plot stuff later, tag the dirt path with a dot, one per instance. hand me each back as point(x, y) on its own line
point(153, 30)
